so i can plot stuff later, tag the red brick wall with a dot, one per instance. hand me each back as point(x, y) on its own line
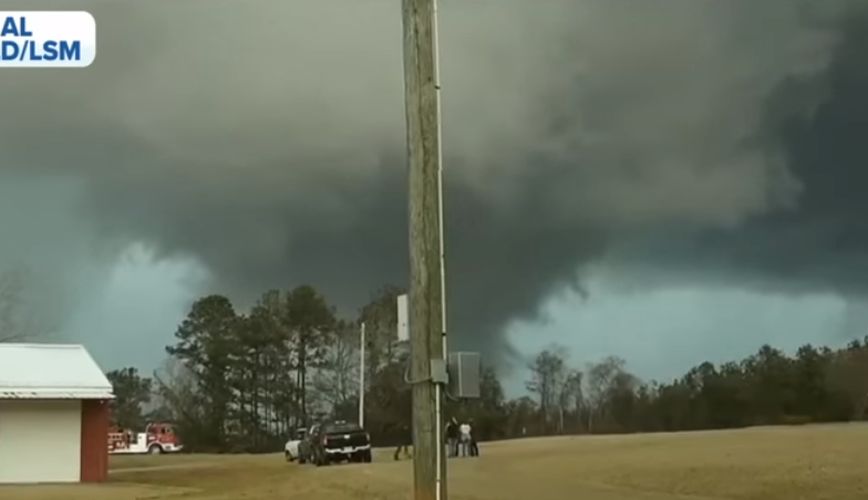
point(94, 440)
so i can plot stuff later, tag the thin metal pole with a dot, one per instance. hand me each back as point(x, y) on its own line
point(362, 376)
point(438, 394)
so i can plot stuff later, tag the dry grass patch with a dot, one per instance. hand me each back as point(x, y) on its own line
point(807, 463)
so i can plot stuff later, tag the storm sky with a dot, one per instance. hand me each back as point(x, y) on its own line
point(667, 181)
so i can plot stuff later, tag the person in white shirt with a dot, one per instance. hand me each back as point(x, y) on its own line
point(465, 438)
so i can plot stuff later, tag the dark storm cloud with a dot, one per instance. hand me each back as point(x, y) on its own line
point(265, 139)
point(821, 242)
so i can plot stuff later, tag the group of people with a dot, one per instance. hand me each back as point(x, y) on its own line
point(461, 438)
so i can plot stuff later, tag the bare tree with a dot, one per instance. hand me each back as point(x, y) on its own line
point(572, 395)
point(177, 399)
point(547, 380)
point(15, 323)
point(601, 376)
point(380, 316)
point(336, 381)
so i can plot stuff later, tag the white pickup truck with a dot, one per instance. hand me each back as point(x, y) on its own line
point(290, 449)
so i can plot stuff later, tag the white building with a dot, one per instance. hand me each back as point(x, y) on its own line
point(54, 415)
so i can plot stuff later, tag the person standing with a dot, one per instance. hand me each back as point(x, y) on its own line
point(474, 448)
point(465, 438)
point(405, 439)
point(452, 434)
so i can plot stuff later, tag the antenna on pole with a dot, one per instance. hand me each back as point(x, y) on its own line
point(403, 325)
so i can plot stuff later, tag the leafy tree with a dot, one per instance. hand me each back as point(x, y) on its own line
point(207, 339)
point(809, 373)
point(622, 396)
point(131, 391)
point(770, 389)
point(310, 320)
point(265, 398)
point(848, 378)
point(388, 402)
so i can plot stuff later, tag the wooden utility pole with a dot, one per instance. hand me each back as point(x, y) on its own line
point(426, 298)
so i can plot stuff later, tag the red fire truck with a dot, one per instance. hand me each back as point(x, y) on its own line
point(159, 437)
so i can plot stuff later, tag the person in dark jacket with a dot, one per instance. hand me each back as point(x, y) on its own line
point(474, 447)
point(452, 437)
point(406, 439)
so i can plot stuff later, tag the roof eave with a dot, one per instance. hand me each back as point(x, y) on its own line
point(59, 393)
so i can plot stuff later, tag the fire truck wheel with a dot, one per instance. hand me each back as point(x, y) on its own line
point(155, 450)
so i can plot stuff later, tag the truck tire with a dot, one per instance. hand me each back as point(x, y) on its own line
point(155, 449)
point(367, 457)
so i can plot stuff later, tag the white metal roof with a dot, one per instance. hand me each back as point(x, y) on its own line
point(50, 371)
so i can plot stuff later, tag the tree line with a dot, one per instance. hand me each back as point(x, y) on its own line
point(243, 381)
point(766, 388)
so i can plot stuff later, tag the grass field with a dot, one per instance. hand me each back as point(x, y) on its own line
point(814, 462)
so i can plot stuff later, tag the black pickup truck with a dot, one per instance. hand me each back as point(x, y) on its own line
point(338, 441)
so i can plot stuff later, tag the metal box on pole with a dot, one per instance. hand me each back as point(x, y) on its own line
point(464, 375)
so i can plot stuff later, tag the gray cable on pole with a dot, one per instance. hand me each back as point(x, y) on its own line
point(438, 88)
